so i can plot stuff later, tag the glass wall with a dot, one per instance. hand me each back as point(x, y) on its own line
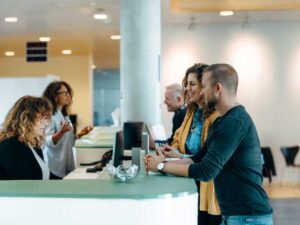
point(106, 97)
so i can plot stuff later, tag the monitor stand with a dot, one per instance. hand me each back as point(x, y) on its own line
point(136, 156)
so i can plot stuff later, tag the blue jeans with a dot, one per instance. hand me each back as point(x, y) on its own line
point(248, 220)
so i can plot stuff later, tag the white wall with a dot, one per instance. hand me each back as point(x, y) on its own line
point(13, 88)
point(74, 69)
point(267, 59)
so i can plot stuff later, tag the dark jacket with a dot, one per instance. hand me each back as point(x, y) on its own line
point(268, 166)
point(17, 161)
point(177, 121)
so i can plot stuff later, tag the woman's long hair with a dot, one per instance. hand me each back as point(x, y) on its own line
point(21, 119)
point(51, 93)
point(198, 69)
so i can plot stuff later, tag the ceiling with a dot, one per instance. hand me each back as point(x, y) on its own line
point(70, 23)
point(235, 5)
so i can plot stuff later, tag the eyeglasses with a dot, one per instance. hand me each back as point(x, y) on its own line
point(64, 93)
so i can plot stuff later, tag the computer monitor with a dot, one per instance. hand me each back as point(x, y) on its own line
point(133, 132)
point(118, 149)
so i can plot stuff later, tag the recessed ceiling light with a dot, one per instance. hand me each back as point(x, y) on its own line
point(66, 52)
point(11, 19)
point(115, 37)
point(226, 13)
point(45, 39)
point(100, 16)
point(9, 53)
point(60, 4)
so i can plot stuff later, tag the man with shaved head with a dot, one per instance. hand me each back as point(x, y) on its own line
point(231, 155)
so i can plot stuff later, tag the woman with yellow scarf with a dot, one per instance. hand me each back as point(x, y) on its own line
point(191, 135)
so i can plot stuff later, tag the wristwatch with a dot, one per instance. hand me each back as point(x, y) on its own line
point(161, 166)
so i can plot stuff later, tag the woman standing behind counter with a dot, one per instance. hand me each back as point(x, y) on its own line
point(60, 137)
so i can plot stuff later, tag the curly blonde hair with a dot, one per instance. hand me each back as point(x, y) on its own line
point(198, 69)
point(21, 119)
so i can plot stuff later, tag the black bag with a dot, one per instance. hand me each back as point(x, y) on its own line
point(99, 165)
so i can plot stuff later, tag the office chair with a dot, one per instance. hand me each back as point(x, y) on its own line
point(289, 154)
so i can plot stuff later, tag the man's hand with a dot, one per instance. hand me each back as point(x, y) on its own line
point(170, 152)
point(151, 161)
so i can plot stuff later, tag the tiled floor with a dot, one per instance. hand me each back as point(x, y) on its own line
point(285, 201)
point(286, 211)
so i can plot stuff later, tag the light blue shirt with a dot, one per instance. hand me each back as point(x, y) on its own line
point(193, 141)
point(59, 157)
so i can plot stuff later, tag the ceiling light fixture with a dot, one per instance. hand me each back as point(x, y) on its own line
point(11, 19)
point(100, 16)
point(44, 39)
point(9, 53)
point(66, 52)
point(60, 4)
point(115, 37)
point(226, 13)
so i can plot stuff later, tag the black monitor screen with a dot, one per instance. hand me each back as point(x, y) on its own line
point(118, 150)
point(133, 132)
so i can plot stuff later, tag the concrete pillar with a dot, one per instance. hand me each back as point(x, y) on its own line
point(140, 60)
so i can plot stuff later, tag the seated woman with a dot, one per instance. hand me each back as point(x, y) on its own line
point(21, 137)
point(191, 135)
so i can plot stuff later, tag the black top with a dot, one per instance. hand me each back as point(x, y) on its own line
point(177, 121)
point(233, 160)
point(17, 161)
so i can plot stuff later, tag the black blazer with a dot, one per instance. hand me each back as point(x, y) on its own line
point(177, 121)
point(17, 161)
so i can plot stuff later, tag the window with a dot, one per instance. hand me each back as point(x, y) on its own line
point(106, 91)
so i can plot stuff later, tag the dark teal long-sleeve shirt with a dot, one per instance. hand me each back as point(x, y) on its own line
point(231, 156)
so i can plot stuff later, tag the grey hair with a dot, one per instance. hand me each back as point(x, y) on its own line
point(176, 90)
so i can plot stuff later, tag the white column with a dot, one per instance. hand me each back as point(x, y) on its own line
point(140, 60)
